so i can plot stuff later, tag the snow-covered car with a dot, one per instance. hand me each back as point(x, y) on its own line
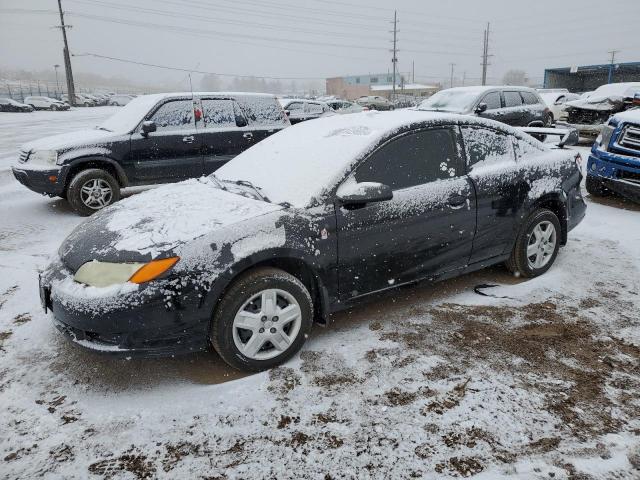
point(588, 115)
point(614, 163)
point(300, 109)
point(557, 103)
point(345, 106)
point(516, 106)
point(119, 100)
point(80, 100)
point(10, 105)
point(154, 139)
point(375, 102)
point(245, 260)
point(46, 103)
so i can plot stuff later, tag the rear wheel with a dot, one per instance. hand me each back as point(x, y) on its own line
point(262, 320)
point(537, 245)
point(92, 190)
point(53, 107)
point(595, 187)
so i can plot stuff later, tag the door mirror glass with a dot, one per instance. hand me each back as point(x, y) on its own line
point(352, 193)
point(241, 121)
point(148, 127)
point(482, 107)
point(571, 138)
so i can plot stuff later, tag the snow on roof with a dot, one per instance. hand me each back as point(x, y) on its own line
point(299, 163)
point(615, 89)
point(407, 86)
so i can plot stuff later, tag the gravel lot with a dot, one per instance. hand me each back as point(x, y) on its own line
point(535, 379)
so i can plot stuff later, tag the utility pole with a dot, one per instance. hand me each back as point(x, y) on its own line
point(464, 77)
point(452, 65)
point(611, 64)
point(394, 59)
point(485, 55)
point(71, 91)
point(56, 67)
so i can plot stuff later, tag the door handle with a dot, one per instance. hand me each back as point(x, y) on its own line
point(457, 201)
point(188, 139)
point(247, 135)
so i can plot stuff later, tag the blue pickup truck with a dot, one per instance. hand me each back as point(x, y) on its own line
point(614, 163)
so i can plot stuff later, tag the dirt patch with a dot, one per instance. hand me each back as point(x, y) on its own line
point(283, 380)
point(397, 397)
point(175, 453)
point(4, 296)
point(374, 326)
point(448, 401)
point(21, 319)
point(463, 466)
point(285, 421)
point(131, 461)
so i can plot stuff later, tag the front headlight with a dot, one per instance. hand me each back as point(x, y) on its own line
point(605, 137)
point(44, 157)
point(105, 274)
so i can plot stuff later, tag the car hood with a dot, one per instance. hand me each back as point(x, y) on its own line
point(598, 103)
point(157, 223)
point(65, 140)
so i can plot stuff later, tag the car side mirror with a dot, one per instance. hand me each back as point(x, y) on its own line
point(571, 138)
point(352, 194)
point(241, 121)
point(482, 107)
point(148, 126)
point(287, 112)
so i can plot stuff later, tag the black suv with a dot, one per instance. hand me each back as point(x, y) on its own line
point(515, 106)
point(154, 139)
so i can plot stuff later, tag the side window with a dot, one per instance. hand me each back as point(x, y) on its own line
point(486, 147)
point(524, 148)
point(313, 108)
point(412, 159)
point(512, 99)
point(219, 113)
point(492, 100)
point(174, 115)
point(295, 107)
point(529, 98)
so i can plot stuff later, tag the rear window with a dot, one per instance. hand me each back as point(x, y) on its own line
point(512, 99)
point(262, 110)
point(529, 98)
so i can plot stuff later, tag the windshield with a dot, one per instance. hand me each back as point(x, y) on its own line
point(450, 101)
point(129, 116)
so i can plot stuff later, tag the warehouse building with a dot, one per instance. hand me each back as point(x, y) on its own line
point(590, 77)
point(355, 86)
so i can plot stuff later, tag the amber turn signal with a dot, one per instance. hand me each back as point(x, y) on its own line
point(153, 270)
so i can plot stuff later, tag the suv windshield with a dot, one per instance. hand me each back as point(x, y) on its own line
point(450, 101)
point(129, 116)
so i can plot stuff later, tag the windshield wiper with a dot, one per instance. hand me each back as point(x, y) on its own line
point(246, 183)
point(218, 183)
point(99, 127)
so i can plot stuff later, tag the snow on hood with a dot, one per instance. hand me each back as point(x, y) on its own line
point(157, 221)
point(65, 140)
point(297, 164)
point(607, 96)
point(632, 116)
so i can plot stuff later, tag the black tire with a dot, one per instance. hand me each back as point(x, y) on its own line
point(548, 122)
point(519, 262)
point(241, 291)
point(75, 194)
point(53, 108)
point(595, 187)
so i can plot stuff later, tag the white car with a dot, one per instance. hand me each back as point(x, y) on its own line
point(556, 101)
point(344, 106)
point(120, 100)
point(46, 103)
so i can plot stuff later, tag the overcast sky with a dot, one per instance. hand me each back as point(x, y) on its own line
point(319, 38)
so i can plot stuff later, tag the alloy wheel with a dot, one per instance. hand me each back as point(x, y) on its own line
point(96, 193)
point(267, 324)
point(541, 245)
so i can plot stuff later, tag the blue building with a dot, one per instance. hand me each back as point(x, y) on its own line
point(590, 77)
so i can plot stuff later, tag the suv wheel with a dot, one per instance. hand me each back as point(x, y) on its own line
point(595, 187)
point(262, 320)
point(92, 190)
point(53, 107)
point(537, 245)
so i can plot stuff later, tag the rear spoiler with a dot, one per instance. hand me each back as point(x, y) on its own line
point(569, 135)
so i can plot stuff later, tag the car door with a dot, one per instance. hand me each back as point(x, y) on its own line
point(172, 152)
point(494, 110)
point(428, 226)
point(499, 189)
point(312, 110)
point(515, 112)
point(223, 132)
point(296, 112)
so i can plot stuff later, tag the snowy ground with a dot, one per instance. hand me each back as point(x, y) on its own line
point(433, 382)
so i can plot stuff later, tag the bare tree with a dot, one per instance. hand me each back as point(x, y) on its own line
point(515, 77)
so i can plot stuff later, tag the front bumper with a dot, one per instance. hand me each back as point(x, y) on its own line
point(41, 181)
point(619, 173)
point(587, 130)
point(154, 320)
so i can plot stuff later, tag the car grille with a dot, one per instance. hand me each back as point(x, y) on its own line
point(630, 137)
point(629, 176)
point(24, 155)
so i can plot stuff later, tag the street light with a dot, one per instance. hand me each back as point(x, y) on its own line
point(56, 67)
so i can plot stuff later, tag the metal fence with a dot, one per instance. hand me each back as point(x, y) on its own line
point(20, 89)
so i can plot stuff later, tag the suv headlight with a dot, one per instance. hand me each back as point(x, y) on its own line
point(44, 157)
point(104, 274)
point(605, 137)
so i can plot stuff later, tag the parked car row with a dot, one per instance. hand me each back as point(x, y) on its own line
point(40, 102)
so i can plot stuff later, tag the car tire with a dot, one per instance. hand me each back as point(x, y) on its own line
point(243, 302)
point(537, 245)
point(548, 122)
point(92, 190)
point(595, 187)
point(53, 108)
